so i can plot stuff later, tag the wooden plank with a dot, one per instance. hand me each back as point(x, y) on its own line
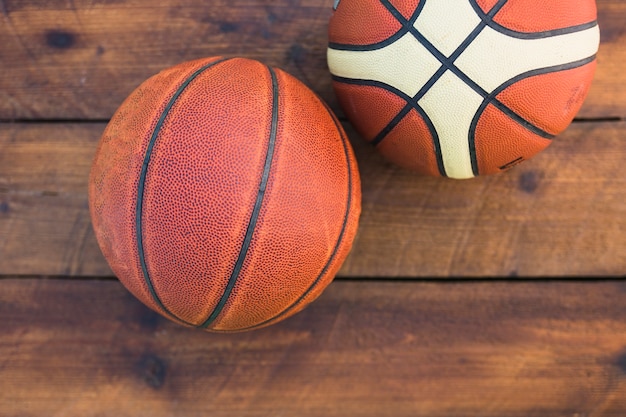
point(79, 59)
point(45, 226)
point(560, 214)
point(87, 348)
point(86, 62)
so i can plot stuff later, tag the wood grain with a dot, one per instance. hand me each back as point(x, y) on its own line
point(77, 346)
point(87, 348)
point(78, 59)
point(45, 226)
point(560, 214)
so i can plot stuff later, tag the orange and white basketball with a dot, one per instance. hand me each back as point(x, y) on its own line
point(460, 88)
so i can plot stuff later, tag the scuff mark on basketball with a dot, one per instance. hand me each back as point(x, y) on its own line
point(529, 181)
point(228, 27)
point(152, 370)
point(60, 39)
point(100, 50)
point(4, 207)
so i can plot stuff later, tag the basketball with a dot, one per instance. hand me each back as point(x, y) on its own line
point(224, 194)
point(461, 88)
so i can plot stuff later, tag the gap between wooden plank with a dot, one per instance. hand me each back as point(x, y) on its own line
point(363, 349)
point(559, 214)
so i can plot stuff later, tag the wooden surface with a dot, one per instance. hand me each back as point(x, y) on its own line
point(560, 214)
point(363, 349)
point(440, 310)
point(78, 59)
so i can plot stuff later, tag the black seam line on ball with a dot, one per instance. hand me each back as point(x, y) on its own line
point(404, 29)
point(448, 64)
point(142, 180)
point(488, 17)
point(371, 47)
point(269, 157)
point(400, 17)
point(542, 35)
point(344, 142)
point(441, 57)
point(411, 104)
point(491, 99)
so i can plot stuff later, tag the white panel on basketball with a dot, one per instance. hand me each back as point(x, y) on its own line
point(460, 20)
point(490, 60)
point(414, 65)
point(494, 58)
point(451, 105)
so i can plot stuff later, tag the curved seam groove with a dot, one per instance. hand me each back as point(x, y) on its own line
point(487, 18)
point(141, 186)
point(404, 29)
point(370, 47)
point(491, 99)
point(541, 35)
point(339, 239)
point(412, 104)
point(255, 211)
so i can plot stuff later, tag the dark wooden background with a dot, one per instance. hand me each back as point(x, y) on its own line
point(499, 296)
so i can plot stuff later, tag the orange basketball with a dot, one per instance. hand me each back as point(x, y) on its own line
point(224, 194)
point(460, 88)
